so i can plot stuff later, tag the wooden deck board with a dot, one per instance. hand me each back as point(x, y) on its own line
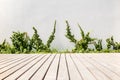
point(63, 73)
point(85, 73)
point(30, 72)
point(93, 69)
point(52, 72)
point(74, 73)
point(106, 71)
point(24, 69)
point(60, 66)
point(40, 73)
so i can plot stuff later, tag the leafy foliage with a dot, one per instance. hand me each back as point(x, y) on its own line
point(112, 44)
point(5, 47)
point(98, 45)
point(23, 43)
point(52, 36)
point(2, 46)
point(69, 35)
point(36, 42)
point(82, 44)
point(20, 41)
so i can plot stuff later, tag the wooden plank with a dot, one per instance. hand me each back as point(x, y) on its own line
point(106, 71)
point(60, 66)
point(63, 73)
point(39, 74)
point(13, 70)
point(74, 73)
point(94, 71)
point(7, 57)
point(10, 58)
point(52, 72)
point(85, 73)
point(20, 72)
point(11, 62)
point(107, 63)
point(30, 72)
point(4, 69)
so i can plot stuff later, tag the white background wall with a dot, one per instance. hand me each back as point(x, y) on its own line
point(100, 17)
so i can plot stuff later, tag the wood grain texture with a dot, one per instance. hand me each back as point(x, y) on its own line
point(60, 66)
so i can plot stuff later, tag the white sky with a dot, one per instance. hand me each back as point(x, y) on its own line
point(100, 17)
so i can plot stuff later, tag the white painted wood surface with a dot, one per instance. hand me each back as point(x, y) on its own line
point(60, 66)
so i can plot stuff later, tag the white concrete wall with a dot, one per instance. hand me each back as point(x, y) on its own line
point(100, 17)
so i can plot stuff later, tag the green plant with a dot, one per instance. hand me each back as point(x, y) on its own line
point(52, 36)
point(112, 44)
point(82, 44)
point(69, 35)
point(20, 41)
point(5, 47)
point(36, 42)
point(2, 46)
point(98, 45)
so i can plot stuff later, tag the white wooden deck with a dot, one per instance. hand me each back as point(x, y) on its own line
point(60, 66)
